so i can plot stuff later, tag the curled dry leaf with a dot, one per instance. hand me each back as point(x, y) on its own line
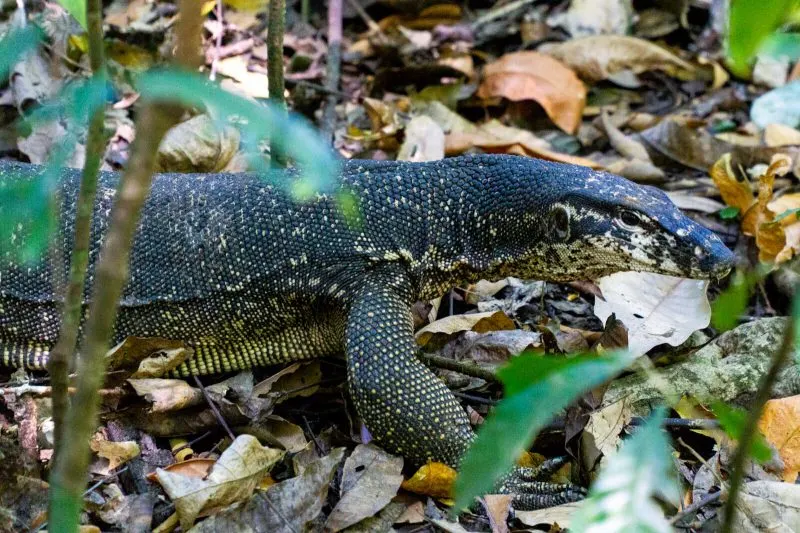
point(167, 394)
point(599, 57)
point(424, 140)
point(533, 76)
point(758, 218)
point(656, 309)
point(780, 425)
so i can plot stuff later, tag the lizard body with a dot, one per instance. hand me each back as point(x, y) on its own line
point(246, 276)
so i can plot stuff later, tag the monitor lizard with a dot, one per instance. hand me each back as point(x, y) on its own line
point(247, 276)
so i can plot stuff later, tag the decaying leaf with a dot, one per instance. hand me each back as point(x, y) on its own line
point(596, 17)
point(424, 141)
point(478, 322)
point(656, 309)
point(768, 506)
point(370, 480)
point(780, 425)
point(112, 453)
point(533, 76)
point(286, 507)
point(559, 516)
point(198, 145)
point(432, 479)
point(233, 478)
point(167, 394)
point(600, 57)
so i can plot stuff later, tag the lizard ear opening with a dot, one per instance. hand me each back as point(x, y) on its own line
point(559, 223)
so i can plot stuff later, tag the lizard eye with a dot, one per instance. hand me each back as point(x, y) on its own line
point(559, 220)
point(630, 221)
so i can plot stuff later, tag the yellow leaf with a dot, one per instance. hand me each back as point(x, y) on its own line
point(735, 192)
point(432, 479)
point(780, 425)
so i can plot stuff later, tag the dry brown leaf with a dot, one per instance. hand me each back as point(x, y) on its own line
point(770, 238)
point(495, 137)
point(167, 394)
point(432, 479)
point(478, 322)
point(599, 57)
point(114, 453)
point(780, 425)
point(497, 508)
point(197, 467)
point(533, 76)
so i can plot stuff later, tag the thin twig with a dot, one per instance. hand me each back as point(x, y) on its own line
point(696, 506)
point(468, 369)
point(214, 409)
point(739, 461)
point(62, 355)
point(332, 67)
point(277, 86)
point(69, 476)
point(218, 44)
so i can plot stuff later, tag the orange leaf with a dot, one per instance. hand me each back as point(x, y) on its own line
point(533, 76)
point(780, 425)
point(770, 238)
point(735, 192)
point(432, 479)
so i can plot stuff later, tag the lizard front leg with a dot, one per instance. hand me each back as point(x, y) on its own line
point(408, 410)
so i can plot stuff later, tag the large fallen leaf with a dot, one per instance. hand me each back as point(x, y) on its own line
point(451, 325)
point(197, 145)
point(167, 394)
point(780, 425)
point(758, 217)
point(233, 478)
point(370, 480)
point(286, 507)
point(560, 515)
point(656, 309)
point(533, 76)
point(600, 57)
point(768, 506)
point(688, 141)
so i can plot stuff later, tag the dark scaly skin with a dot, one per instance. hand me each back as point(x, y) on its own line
point(247, 277)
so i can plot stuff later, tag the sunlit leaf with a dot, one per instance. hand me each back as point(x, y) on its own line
point(537, 388)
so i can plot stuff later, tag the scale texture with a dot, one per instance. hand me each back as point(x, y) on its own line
point(246, 276)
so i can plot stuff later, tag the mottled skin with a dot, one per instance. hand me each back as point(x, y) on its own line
point(247, 277)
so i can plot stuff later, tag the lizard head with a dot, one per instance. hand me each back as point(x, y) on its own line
point(599, 223)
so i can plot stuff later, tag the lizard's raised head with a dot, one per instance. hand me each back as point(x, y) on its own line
point(565, 222)
point(599, 223)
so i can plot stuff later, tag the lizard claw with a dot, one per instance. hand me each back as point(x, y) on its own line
point(532, 493)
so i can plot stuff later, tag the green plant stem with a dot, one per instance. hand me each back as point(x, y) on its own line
point(277, 86)
point(69, 477)
point(739, 461)
point(305, 11)
point(62, 355)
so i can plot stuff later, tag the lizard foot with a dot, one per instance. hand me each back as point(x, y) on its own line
point(532, 493)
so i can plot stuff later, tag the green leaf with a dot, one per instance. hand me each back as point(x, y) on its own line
point(728, 213)
point(750, 22)
point(779, 45)
point(537, 388)
point(287, 134)
point(732, 421)
point(731, 303)
point(15, 44)
point(76, 8)
point(623, 496)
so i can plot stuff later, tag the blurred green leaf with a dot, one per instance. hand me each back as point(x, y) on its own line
point(289, 135)
point(623, 496)
point(732, 421)
point(781, 45)
point(27, 203)
point(537, 388)
point(731, 303)
point(750, 23)
point(348, 202)
point(15, 44)
point(76, 8)
point(728, 213)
